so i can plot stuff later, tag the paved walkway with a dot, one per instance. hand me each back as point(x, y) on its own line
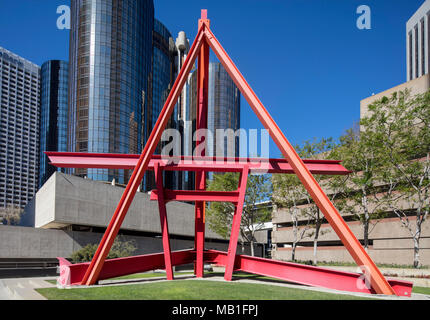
point(23, 288)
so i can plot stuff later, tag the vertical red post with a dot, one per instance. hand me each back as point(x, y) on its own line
point(163, 221)
point(235, 228)
point(201, 123)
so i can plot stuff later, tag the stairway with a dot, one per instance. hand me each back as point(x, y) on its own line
point(23, 288)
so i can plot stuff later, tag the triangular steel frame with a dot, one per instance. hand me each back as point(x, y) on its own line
point(205, 39)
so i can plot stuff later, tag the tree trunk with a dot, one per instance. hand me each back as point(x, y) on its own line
point(417, 263)
point(366, 235)
point(317, 231)
point(293, 252)
point(417, 236)
point(252, 248)
point(366, 219)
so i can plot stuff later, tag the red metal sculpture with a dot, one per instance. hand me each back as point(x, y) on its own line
point(100, 268)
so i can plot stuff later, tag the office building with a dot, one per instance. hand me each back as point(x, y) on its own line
point(109, 75)
point(417, 42)
point(53, 113)
point(223, 114)
point(19, 133)
point(223, 110)
point(163, 75)
point(185, 114)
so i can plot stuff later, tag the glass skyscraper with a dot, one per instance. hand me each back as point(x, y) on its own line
point(53, 113)
point(163, 75)
point(19, 129)
point(223, 108)
point(223, 113)
point(109, 79)
point(162, 78)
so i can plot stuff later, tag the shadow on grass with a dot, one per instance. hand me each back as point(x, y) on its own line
point(244, 275)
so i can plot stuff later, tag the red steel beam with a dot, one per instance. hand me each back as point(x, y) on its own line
point(196, 195)
point(163, 222)
point(189, 163)
point(93, 271)
point(201, 123)
point(235, 227)
point(304, 274)
point(72, 274)
point(349, 240)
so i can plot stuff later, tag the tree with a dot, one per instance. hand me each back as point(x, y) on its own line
point(219, 215)
point(290, 193)
point(319, 149)
point(120, 248)
point(287, 194)
point(357, 151)
point(11, 214)
point(399, 128)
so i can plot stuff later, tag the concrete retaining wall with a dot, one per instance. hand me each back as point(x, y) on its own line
point(25, 242)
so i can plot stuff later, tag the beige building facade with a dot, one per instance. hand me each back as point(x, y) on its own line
point(416, 86)
point(389, 241)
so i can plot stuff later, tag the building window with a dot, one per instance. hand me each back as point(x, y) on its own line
point(423, 52)
point(428, 41)
point(410, 56)
point(416, 52)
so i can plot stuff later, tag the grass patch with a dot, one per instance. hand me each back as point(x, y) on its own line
point(191, 290)
point(423, 290)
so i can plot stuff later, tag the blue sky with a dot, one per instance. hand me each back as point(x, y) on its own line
point(307, 61)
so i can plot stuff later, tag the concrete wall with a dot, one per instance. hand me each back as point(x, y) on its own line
point(392, 243)
point(31, 243)
point(68, 200)
point(340, 254)
point(387, 229)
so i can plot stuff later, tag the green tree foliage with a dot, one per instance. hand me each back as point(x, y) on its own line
point(219, 215)
point(290, 193)
point(120, 248)
point(357, 151)
point(398, 128)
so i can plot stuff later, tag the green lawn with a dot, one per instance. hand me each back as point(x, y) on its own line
point(196, 290)
point(423, 290)
point(190, 290)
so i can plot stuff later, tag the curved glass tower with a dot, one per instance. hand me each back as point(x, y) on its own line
point(110, 64)
point(53, 113)
point(163, 74)
point(223, 107)
point(162, 78)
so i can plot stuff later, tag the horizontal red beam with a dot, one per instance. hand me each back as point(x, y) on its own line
point(197, 195)
point(72, 274)
point(188, 163)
